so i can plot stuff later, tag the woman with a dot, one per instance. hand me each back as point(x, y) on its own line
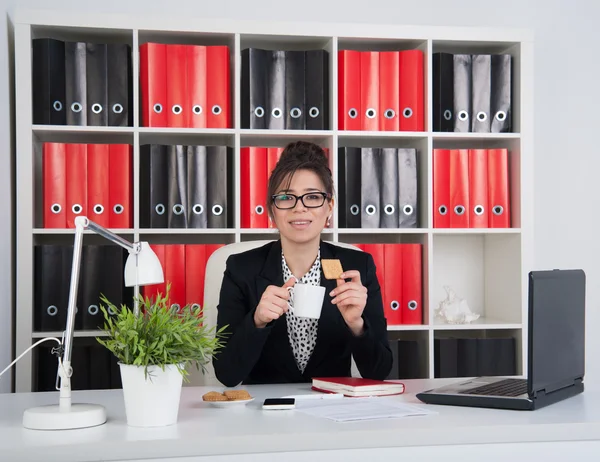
point(265, 342)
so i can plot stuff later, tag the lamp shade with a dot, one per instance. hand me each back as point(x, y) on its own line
point(143, 268)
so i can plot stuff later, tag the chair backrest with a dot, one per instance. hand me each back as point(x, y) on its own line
point(215, 267)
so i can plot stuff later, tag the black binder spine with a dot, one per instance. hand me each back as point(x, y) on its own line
point(501, 105)
point(196, 184)
point(254, 88)
point(370, 187)
point(177, 184)
point(49, 292)
point(120, 85)
point(48, 89)
point(275, 117)
point(480, 93)
point(294, 90)
point(443, 92)
point(408, 191)
point(350, 179)
point(153, 186)
point(462, 93)
point(92, 271)
point(75, 83)
point(216, 171)
point(317, 90)
point(389, 188)
point(96, 84)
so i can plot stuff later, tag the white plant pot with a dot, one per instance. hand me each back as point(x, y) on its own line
point(151, 401)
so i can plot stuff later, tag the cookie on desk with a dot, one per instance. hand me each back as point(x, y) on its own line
point(237, 395)
point(332, 268)
point(214, 396)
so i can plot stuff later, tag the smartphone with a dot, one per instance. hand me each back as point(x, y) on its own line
point(279, 403)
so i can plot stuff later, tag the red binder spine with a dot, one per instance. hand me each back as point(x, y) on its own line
point(478, 188)
point(76, 175)
point(151, 291)
point(98, 183)
point(369, 90)
point(459, 188)
point(499, 198)
point(120, 194)
point(389, 103)
point(195, 265)
point(392, 296)
point(349, 90)
point(273, 155)
point(153, 84)
point(175, 275)
point(412, 93)
point(412, 292)
point(254, 187)
point(177, 92)
point(218, 83)
point(196, 78)
point(55, 194)
point(441, 188)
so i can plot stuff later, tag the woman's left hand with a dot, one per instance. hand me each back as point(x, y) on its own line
point(351, 299)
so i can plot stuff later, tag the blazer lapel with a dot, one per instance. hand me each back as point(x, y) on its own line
point(272, 274)
point(330, 315)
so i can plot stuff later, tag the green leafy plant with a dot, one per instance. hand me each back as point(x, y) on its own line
point(159, 335)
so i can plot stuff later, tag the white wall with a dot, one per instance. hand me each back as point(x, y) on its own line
point(567, 96)
point(6, 201)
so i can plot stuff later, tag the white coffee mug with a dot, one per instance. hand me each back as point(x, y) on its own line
point(308, 300)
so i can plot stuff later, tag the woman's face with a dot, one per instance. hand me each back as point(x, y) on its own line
point(304, 221)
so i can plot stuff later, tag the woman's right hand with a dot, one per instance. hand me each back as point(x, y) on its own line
point(273, 303)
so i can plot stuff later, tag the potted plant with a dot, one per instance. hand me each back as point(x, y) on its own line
point(154, 350)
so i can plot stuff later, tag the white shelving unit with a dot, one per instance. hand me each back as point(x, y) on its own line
point(487, 266)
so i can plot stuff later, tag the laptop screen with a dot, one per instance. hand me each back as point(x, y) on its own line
point(556, 328)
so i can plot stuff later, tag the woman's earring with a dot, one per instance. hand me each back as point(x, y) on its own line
point(329, 221)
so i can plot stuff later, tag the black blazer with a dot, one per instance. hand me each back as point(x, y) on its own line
point(254, 355)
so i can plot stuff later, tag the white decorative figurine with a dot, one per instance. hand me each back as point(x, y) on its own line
point(455, 310)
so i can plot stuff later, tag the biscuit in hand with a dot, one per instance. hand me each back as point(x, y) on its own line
point(332, 268)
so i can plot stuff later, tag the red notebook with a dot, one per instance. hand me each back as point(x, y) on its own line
point(356, 386)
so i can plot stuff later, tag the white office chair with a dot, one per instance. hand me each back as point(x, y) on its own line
point(215, 267)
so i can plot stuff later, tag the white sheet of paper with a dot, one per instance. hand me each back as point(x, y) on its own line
point(353, 409)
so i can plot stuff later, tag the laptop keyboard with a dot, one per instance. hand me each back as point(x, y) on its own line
point(506, 387)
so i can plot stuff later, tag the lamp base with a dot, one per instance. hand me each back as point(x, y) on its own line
point(52, 418)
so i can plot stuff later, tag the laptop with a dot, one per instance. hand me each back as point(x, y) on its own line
point(556, 351)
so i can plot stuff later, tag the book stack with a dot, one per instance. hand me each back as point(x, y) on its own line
point(357, 386)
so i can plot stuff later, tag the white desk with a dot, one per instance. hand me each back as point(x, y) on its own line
point(248, 433)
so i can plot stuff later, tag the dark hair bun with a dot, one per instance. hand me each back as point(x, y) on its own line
point(304, 152)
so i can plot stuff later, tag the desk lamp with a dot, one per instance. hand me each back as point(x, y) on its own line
point(142, 268)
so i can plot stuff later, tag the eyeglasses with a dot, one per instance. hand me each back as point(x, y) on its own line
point(311, 200)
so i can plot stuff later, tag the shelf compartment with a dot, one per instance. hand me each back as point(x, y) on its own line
point(515, 186)
point(471, 353)
point(484, 270)
point(491, 48)
point(272, 56)
point(422, 160)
